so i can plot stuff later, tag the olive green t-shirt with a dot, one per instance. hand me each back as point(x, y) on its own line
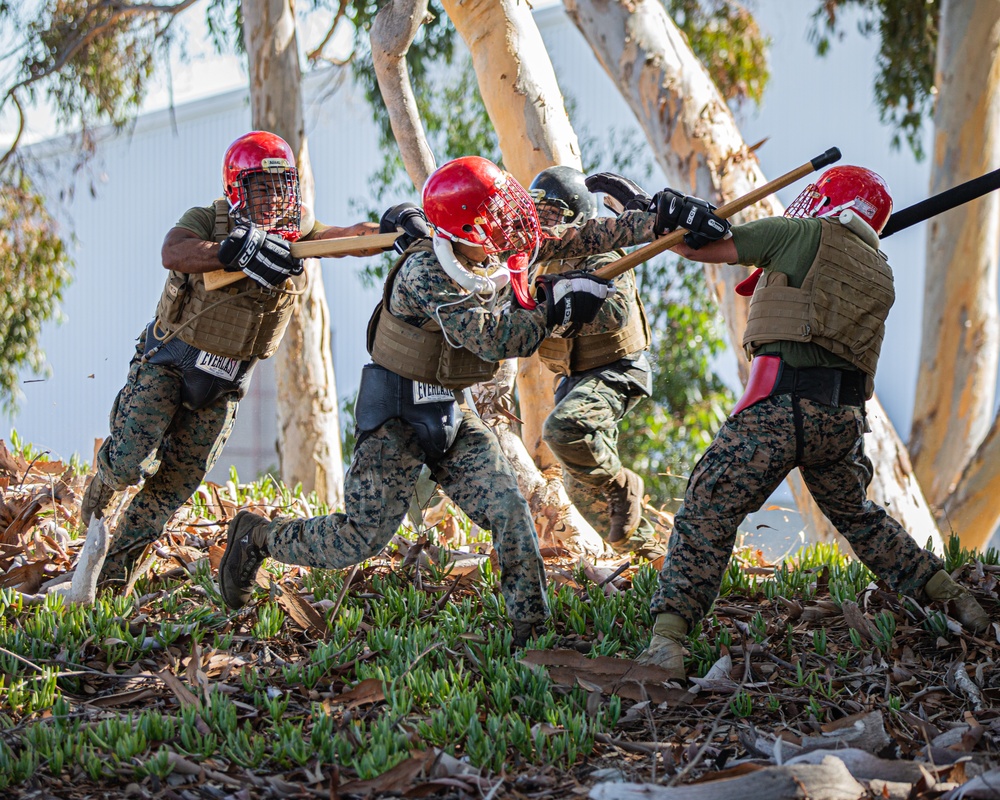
point(787, 245)
point(201, 222)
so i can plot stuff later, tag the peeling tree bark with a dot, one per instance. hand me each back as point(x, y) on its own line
point(830, 780)
point(971, 511)
point(960, 343)
point(551, 508)
point(308, 415)
point(519, 87)
point(554, 514)
point(392, 33)
point(698, 145)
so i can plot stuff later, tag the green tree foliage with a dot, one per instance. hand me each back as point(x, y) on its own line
point(34, 270)
point(907, 32)
point(432, 52)
point(663, 437)
point(723, 33)
point(89, 63)
point(725, 37)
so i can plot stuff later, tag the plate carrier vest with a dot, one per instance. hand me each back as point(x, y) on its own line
point(583, 353)
point(421, 354)
point(243, 320)
point(842, 304)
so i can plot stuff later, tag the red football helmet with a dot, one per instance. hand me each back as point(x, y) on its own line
point(262, 184)
point(472, 201)
point(841, 188)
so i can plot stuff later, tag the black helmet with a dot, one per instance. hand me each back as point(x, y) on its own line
point(562, 197)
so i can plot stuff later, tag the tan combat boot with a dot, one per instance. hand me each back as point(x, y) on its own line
point(624, 495)
point(965, 607)
point(246, 549)
point(98, 498)
point(666, 648)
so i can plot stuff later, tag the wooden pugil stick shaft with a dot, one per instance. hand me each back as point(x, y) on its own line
point(637, 257)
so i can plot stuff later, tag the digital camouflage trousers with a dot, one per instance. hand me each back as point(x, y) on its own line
point(582, 432)
point(474, 473)
point(154, 437)
point(751, 455)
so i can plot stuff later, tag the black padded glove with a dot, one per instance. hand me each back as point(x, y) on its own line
point(675, 210)
point(629, 194)
point(667, 204)
point(571, 299)
point(265, 257)
point(407, 218)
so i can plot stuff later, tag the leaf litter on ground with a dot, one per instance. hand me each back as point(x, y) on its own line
point(398, 678)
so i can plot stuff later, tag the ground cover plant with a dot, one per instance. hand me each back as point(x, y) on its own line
point(398, 678)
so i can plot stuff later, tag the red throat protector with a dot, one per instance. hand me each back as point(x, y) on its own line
point(517, 265)
point(746, 286)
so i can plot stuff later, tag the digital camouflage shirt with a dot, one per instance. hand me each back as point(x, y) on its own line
point(617, 309)
point(496, 328)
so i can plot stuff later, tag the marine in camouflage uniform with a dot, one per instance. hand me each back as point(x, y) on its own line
point(605, 373)
point(439, 296)
point(815, 328)
point(193, 363)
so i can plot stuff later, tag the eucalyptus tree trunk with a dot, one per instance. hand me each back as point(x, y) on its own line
point(522, 96)
point(971, 511)
point(392, 32)
point(960, 345)
point(308, 415)
point(698, 145)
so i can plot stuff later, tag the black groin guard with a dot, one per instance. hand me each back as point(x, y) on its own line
point(431, 411)
point(204, 377)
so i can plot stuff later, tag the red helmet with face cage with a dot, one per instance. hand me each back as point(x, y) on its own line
point(841, 188)
point(472, 201)
point(262, 184)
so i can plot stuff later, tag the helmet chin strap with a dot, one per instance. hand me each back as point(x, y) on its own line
point(470, 281)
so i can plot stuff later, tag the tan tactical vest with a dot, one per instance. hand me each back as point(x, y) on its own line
point(582, 353)
point(842, 305)
point(241, 321)
point(421, 354)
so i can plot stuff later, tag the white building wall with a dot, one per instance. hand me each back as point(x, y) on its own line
point(143, 182)
point(172, 161)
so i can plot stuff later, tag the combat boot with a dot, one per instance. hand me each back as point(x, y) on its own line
point(523, 633)
point(624, 496)
point(98, 498)
point(642, 543)
point(964, 606)
point(666, 648)
point(246, 549)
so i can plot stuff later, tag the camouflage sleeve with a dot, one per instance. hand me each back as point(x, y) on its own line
point(615, 311)
point(596, 236)
point(423, 292)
